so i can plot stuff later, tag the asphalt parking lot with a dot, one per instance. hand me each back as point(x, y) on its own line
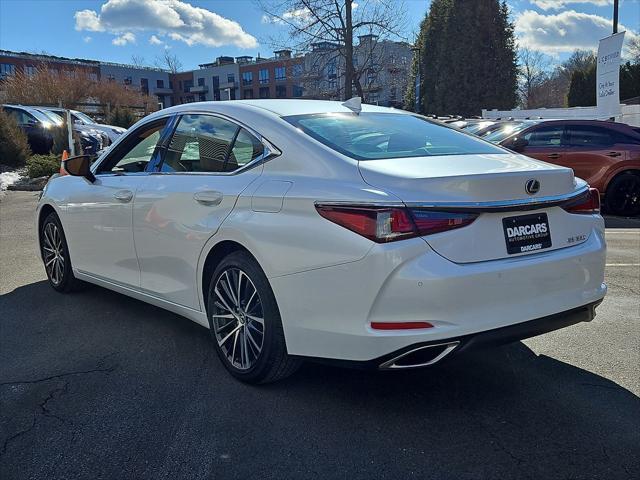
point(97, 385)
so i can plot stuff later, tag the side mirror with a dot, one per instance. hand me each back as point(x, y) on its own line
point(518, 144)
point(78, 166)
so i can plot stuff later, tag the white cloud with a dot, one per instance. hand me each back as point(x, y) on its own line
point(87, 20)
point(155, 40)
point(564, 32)
point(124, 39)
point(299, 16)
point(558, 4)
point(87, 39)
point(180, 20)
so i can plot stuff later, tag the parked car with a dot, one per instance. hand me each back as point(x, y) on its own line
point(478, 125)
point(37, 126)
point(82, 119)
point(316, 229)
point(498, 131)
point(91, 141)
point(605, 154)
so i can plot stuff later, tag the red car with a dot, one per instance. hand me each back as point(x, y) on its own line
point(605, 154)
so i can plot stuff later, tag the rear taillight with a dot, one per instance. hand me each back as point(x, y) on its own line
point(589, 205)
point(388, 224)
point(428, 222)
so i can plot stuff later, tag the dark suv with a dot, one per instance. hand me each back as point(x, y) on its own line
point(36, 125)
point(605, 154)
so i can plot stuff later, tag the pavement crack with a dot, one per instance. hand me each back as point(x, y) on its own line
point(65, 374)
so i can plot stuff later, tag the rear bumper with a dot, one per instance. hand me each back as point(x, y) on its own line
point(428, 353)
point(327, 312)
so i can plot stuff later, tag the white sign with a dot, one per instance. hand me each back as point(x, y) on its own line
point(608, 75)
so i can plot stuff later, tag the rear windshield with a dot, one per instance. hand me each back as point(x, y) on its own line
point(373, 136)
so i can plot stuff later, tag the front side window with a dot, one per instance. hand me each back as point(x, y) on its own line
point(372, 136)
point(588, 136)
point(550, 136)
point(201, 143)
point(136, 150)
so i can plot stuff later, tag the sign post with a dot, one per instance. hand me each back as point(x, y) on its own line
point(608, 75)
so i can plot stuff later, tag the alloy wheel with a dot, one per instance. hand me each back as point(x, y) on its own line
point(626, 196)
point(53, 253)
point(238, 319)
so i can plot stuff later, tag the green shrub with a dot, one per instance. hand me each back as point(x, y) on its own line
point(121, 117)
point(14, 147)
point(43, 165)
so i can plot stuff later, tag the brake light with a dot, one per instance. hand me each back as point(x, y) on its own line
point(377, 224)
point(429, 222)
point(590, 205)
point(388, 224)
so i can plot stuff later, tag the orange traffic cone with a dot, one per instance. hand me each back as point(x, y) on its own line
point(65, 155)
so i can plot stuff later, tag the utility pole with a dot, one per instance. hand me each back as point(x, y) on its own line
point(615, 15)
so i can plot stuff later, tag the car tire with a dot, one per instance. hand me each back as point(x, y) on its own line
point(623, 195)
point(55, 255)
point(245, 322)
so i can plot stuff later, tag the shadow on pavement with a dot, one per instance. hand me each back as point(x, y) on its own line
point(99, 385)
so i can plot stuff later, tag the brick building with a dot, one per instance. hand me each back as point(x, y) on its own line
point(14, 62)
point(277, 77)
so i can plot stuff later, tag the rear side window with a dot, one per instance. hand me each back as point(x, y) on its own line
point(549, 136)
point(206, 143)
point(588, 136)
point(373, 136)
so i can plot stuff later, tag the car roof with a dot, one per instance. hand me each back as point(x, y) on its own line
point(282, 107)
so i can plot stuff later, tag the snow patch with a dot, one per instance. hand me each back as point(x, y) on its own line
point(9, 178)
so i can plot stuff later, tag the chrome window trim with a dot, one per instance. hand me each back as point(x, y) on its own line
point(478, 207)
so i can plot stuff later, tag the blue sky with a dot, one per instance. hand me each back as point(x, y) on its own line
point(198, 31)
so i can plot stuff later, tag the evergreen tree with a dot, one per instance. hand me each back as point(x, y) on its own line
point(468, 57)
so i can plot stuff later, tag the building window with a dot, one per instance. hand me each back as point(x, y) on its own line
point(160, 83)
point(264, 92)
point(93, 77)
point(247, 93)
point(297, 91)
point(144, 85)
point(111, 78)
point(201, 82)
point(231, 77)
point(332, 83)
point(281, 91)
point(187, 86)
point(297, 70)
point(281, 74)
point(247, 78)
point(30, 70)
point(7, 69)
point(264, 76)
point(170, 84)
point(128, 80)
point(202, 97)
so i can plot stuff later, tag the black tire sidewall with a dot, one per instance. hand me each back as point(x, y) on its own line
point(613, 186)
point(68, 278)
point(273, 346)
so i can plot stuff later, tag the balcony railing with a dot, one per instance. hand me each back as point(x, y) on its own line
point(199, 89)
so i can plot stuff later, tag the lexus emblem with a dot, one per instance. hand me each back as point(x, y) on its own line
point(532, 186)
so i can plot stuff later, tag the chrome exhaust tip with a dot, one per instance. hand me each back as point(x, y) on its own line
point(420, 356)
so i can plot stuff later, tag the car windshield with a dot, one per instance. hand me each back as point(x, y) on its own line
point(372, 136)
point(82, 116)
point(504, 131)
point(476, 127)
point(53, 117)
point(39, 115)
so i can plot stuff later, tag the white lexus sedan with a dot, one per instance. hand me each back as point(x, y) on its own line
point(298, 229)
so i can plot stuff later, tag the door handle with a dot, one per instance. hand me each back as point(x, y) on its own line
point(613, 154)
point(210, 198)
point(553, 155)
point(124, 196)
